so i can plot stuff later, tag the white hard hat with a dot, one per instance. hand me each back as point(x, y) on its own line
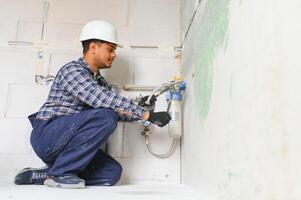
point(100, 30)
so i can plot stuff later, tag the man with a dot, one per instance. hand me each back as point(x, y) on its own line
point(80, 113)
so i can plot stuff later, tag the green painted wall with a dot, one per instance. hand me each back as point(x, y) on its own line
point(207, 36)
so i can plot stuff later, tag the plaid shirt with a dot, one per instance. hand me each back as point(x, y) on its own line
point(75, 88)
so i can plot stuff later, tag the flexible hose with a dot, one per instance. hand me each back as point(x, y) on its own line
point(147, 136)
point(172, 147)
point(164, 86)
point(163, 155)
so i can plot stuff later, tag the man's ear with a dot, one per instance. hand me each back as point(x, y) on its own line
point(92, 46)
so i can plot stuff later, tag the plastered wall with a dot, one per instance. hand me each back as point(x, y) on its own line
point(241, 59)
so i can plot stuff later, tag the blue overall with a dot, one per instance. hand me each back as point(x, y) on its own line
point(70, 145)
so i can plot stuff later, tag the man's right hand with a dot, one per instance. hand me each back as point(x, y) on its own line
point(159, 118)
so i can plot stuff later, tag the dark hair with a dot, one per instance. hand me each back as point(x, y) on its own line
point(86, 44)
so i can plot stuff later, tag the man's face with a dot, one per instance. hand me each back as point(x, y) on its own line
point(105, 55)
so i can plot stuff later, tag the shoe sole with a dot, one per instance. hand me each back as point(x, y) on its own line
point(52, 183)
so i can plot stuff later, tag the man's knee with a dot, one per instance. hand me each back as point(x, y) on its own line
point(107, 117)
point(111, 119)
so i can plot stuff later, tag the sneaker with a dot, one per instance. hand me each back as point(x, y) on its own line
point(29, 176)
point(67, 182)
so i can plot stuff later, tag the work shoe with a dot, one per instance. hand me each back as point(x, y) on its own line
point(67, 182)
point(28, 176)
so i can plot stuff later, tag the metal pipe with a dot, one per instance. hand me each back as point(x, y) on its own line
point(139, 87)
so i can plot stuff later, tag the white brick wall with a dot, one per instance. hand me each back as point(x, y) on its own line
point(29, 31)
point(10, 28)
point(60, 57)
point(14, 10)
point(15, 138)
point(121, 72)
point(16, 66)
point(154, 71)
point(24, 99)
point(29, 10)
point(143, 22)
point(62, 34)
point(155, 14)
point(137, 170)
point(81, 11)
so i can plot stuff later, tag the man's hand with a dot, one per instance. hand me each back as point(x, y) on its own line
point(159, 118)
point(143, 100)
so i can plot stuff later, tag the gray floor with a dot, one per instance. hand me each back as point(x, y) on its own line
point(9, 191)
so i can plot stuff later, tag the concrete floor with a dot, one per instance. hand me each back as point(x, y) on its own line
point(9, 191)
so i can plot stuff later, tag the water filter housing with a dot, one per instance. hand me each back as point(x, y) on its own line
point(175, 112)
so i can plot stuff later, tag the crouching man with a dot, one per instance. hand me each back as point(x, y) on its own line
point(79, 115)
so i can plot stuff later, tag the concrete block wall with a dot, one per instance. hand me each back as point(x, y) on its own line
point(38, 37)
point(241, 130)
